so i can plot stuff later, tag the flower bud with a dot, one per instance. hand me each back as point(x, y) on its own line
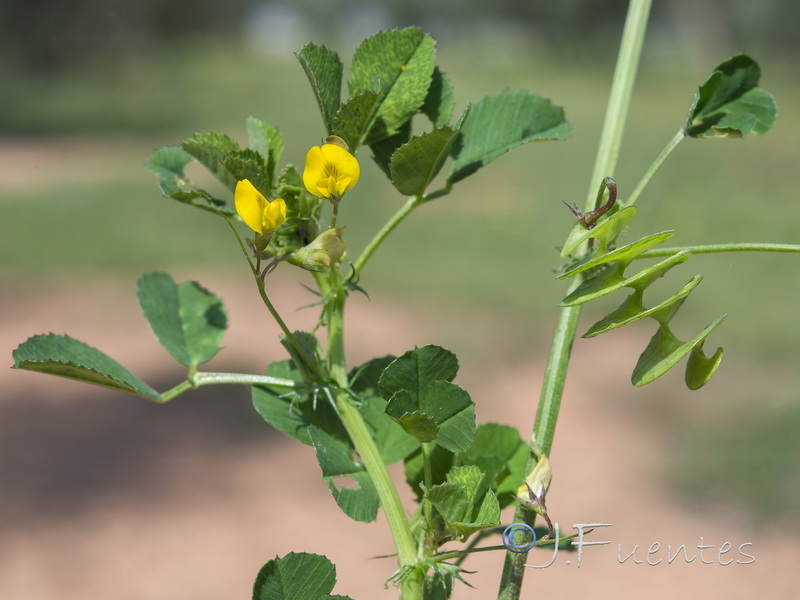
point(322, 253)
point(532, 492)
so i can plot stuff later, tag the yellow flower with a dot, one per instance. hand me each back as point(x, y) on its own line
point(323, 252)
point(260, 215)
point(330, 171)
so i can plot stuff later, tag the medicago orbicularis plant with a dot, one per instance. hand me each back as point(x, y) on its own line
point(359, 419)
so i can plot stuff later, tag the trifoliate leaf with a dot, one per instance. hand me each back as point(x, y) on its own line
point(296, 576)
point(730, 103)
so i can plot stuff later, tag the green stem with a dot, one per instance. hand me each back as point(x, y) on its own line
point(621, 92)
point(716, 248)
point(201, 379)
point(255, 269)
point(555, 373)
point(673, 143)
point(360, 435)
point(390, 225)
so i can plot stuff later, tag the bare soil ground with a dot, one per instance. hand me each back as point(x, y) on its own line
point(108, 496)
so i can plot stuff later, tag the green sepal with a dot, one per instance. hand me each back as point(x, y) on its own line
point(415, 164)
point(296, 576)
point(293, 412)
point(420, 396)
point(67, 357)
point(399, 65)
point(498, 123)
point(607, 230)
point(323, 67)
point(211, 149)
point(336, 459)
point(730, 103)
point(664, 351)
point(188, 320)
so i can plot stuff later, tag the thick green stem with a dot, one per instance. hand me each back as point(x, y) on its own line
point(360, 435)
point(555, 373)
point(621, 92)
point(673, 143)
point(413, 583)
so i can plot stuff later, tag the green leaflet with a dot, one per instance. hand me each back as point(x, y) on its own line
point(323, 67)
point(354, 117)
point(421, 398)
point(399, 65)
point(501, 454)
point(439, 103)
point(463, 503)
point(296, 576)
point(211, 149)
point(67, 357)
point(188, 320)
point(498, 123)
point(266, 140)
point(168, 164)
point(730, 103)
point(293, 413)
point(416, 163)
point(337, 461)
point(393, 442)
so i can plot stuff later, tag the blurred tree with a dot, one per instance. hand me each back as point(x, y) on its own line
point(49, 35)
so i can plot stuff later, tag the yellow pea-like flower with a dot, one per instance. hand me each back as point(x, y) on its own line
point(260, 215)
point(330, 171)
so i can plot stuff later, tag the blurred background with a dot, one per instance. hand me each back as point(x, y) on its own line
point(102, 492)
